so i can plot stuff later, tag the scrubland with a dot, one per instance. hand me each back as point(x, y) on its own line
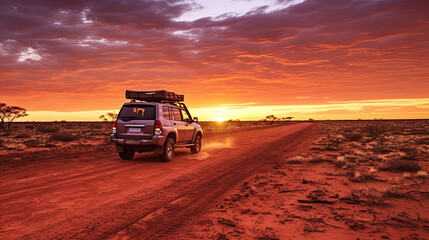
point(341, 179)
point(43, 136)
point(359, 180)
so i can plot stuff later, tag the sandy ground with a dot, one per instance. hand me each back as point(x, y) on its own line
point(338, 189)
point(91, 194)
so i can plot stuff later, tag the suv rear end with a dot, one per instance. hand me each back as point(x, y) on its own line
point(159, 126)
point(135, 129)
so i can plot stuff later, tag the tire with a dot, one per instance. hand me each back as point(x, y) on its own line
point(197, 147)
point(127, 154)
point(168, 153)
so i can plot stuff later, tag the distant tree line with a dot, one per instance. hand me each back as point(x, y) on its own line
point(109, 117)
point(270, 119)
point(9, 113)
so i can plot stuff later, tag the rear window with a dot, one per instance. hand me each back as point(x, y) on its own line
point(141, 112)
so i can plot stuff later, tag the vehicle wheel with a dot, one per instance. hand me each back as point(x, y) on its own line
point(168, 154)
point(127, 154)
point(197, 147)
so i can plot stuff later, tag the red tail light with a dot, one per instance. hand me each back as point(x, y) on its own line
point(114, 124)
point(158, 126)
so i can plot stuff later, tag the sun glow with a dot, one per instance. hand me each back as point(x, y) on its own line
point(219, 119)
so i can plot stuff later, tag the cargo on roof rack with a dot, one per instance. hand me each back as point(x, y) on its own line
point(154, 96)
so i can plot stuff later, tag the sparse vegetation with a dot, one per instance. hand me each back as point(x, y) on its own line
point(422, 174)
point(10, 113)
point(270, 119)
point(376, 129)
point(356, 176)
point(352, 136)
point(294, 161)
point(63, 137)
point(22, 135)
point(401, 166)
point(47, 128)
point(109, 118)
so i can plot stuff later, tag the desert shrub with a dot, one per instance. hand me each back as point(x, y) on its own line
point(376, 130)
point(381, 150)
point(340, 163)
point(47, 129)
point(359, 177)
point(316, 159)
point(348, 129)
point(373, 196)
point(422, 174)
point(22, 135)
point(31, 143)
point(393, 192)
point(63, 137)
point(31, 127)
point(293, 161)
point(353, 136)
point(401, 166)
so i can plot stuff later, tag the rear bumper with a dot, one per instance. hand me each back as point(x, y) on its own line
point(155, 141)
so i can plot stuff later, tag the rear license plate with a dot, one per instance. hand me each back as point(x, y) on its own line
point(134, 130)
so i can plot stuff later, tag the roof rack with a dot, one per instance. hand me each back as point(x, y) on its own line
point(154, 96)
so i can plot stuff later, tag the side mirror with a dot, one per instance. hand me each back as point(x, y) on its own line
point(195, 119)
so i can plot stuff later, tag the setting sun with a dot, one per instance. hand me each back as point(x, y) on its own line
point(219, 119)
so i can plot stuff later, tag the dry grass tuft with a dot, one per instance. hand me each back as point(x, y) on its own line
point(316, 159)
point(355, 176)
point(422, 174)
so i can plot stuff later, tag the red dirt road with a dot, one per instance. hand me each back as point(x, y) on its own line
point(98, 195)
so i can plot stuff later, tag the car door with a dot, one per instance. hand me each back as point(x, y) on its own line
point(179, 124)
point(188, 126)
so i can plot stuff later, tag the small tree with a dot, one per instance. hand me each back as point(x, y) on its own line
point(2, 114)
point(14, 112)
point(270, 119)
point(109, 117)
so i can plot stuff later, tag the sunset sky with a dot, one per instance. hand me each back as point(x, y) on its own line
point(240, 59)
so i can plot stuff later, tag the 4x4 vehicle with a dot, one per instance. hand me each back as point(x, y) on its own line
point(155, 121)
